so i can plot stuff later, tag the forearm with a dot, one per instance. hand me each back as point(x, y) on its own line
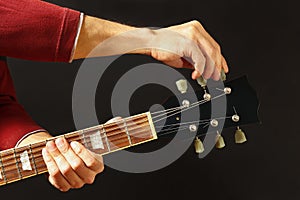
point(99, 37)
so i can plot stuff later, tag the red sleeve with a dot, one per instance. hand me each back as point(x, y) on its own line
point(37, 30)
point(14, 121)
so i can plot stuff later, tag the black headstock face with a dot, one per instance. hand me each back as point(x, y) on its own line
point(233, 104)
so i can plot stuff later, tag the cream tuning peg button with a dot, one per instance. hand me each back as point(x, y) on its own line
point(199, 147)
point(239, 136)
point(223, 75)
point(201, 81)
point(219, 141)
point(182, 85)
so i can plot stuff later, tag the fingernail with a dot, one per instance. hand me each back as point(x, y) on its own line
point(75, 146)
point(59, 142)
point(51, 146)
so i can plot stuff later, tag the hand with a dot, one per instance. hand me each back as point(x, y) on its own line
point(189, 46)
point(70, 165)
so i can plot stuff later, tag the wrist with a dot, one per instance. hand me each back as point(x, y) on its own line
point(34, 137)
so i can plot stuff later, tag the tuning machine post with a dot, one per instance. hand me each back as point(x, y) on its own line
point(203, 82)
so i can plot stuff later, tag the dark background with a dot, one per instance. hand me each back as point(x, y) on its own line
point(257, 39)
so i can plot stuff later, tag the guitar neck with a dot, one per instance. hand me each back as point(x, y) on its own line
point(23, 162)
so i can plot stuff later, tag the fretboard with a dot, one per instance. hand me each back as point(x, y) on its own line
point(23, 162)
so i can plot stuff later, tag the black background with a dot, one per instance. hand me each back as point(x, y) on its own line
point(257, 39)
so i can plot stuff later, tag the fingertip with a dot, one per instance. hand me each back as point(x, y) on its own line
point(196, 74)
point(75, 146)
point(50, 145)
point(226, 69)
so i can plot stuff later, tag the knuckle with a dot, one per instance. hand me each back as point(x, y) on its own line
point(77, 164)
point(101, 168)
point(196, 23)
point(92, 162)
point(77, 185)
point(54, 172)
point(89, 179)
point(63, 188)
point(65, 169)
point(79, 150)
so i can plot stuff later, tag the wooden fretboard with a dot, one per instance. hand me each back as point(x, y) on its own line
point(23, 162)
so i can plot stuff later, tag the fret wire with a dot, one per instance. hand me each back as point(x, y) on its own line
point(17, 164)
point(106, 139)
point(126, 129)
point(118, 133)
point(134, 127)
point(139, 120)
point(130, 124)
point(33, 159)
point(84, 141)
point(3, 169)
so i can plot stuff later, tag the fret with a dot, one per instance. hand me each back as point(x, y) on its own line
point(94, 140)
point(116, 134)
point(25, 161)
point(140, 129)
point(37, 158)
point(33, 160)
point(126, 130)
point(17, 164)
point(3, 179)
point(106, 139)
point(84, 140)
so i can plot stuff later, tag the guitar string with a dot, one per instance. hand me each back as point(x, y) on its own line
point(187, 108)
point(169, 131)
point(180, 107)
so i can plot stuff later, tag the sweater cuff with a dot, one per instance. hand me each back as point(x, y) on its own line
point(77, 36)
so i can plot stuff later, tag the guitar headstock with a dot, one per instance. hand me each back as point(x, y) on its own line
point(208, 110)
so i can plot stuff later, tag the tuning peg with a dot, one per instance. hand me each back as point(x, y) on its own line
point(223, 75)
point(201, 81)
point(199, 147)
point(219, 141)
point(239, 136)
point(182, 85)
